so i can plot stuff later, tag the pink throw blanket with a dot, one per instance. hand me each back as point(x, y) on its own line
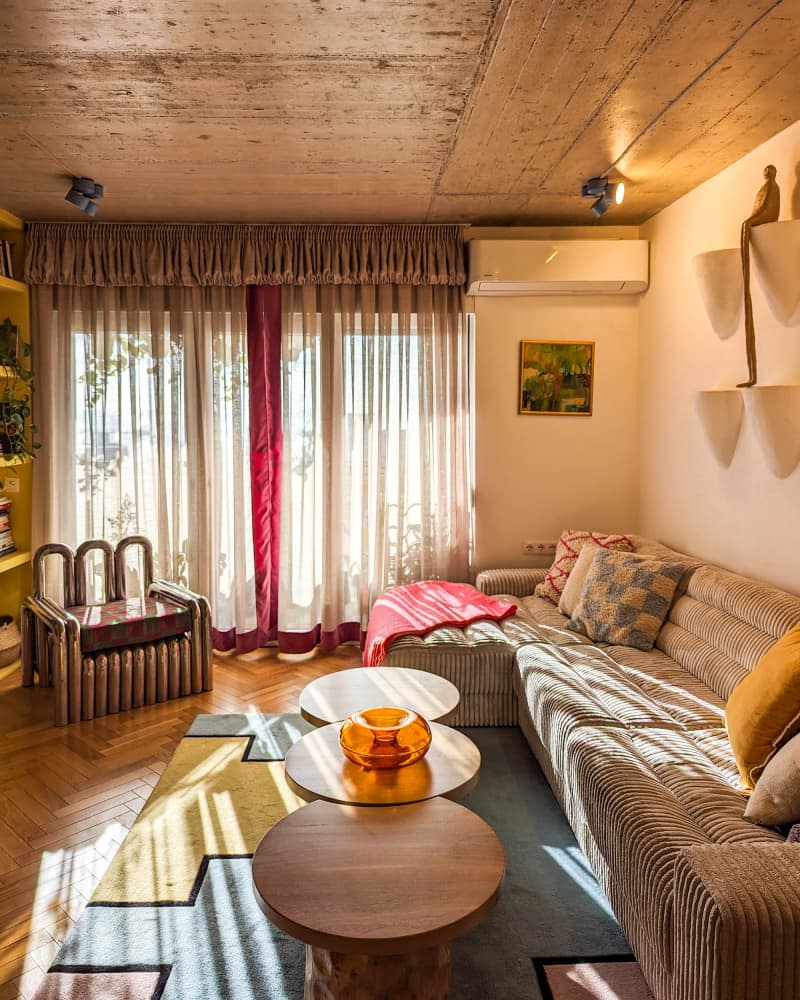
point(417, 608)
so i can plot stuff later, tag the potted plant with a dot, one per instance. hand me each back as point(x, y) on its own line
point(17, 433)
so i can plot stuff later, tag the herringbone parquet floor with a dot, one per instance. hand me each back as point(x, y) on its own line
point(69, 795)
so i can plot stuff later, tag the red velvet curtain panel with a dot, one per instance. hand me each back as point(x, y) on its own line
point(264, 367)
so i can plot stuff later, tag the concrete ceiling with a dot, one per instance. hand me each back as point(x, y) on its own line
point(491, 112)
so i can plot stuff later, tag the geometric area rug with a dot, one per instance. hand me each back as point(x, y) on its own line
point(175, 917)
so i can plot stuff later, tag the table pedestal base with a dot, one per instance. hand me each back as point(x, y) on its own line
point(416, 975)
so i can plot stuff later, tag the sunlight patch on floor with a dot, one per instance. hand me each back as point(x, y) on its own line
point(572, 861)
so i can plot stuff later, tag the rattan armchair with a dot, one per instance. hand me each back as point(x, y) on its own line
point(118, 653)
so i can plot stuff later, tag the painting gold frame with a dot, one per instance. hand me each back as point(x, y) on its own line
point(556, 377)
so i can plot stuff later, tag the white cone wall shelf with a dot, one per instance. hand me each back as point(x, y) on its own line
point(775, 250)
point(774, 411)
point(719, 278)
point(720, 411)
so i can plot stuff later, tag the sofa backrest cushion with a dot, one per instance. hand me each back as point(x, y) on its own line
point(643, 546)
point(723, 623)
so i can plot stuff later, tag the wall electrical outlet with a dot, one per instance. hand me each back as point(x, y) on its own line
point(538, 548)
point(11, 485)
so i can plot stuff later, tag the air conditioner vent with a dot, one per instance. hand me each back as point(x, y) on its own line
point(562, 267)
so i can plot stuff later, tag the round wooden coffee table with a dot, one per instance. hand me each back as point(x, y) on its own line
point(316, 768)
point(335, 696)
point(377, 894)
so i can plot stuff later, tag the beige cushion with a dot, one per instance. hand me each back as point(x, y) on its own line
point(776, 799)
point(577, 577)
point(567, 550)
point(625, 598)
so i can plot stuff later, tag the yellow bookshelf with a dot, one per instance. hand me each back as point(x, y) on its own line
point(15, 474)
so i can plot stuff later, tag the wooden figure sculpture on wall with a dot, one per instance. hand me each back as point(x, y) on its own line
point(767, 208)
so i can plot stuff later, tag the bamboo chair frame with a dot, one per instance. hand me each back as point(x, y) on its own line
point(89, 684)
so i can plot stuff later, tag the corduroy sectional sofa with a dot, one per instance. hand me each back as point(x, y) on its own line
point(634, 747)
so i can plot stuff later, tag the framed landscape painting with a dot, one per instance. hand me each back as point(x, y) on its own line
point(555, 376)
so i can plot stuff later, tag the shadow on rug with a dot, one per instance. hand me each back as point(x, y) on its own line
point(175, 916)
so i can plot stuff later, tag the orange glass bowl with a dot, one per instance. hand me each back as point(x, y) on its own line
point(385, 737)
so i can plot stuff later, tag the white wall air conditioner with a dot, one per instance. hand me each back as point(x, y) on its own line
point(558, 267)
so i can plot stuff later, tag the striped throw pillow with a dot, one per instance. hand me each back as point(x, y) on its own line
point(567, 550)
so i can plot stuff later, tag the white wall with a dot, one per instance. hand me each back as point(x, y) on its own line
point(741, 517)
point(539, 474)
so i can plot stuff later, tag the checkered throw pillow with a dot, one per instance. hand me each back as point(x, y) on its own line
point(625, 598)
point(567, 550)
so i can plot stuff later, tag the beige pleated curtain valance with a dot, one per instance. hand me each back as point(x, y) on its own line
point(141, 254)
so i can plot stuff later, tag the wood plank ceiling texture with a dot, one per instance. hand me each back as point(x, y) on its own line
point(491, 112)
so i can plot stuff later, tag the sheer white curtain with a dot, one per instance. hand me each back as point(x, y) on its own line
point(142, 411)
point(376, 474)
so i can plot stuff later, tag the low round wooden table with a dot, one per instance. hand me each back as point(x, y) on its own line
point(335, 696)
point(316, 768)
point(377, 894)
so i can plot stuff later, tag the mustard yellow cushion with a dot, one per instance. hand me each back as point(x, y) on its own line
point(763, 712)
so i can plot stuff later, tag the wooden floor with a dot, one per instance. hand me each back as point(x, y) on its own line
point(69, 795)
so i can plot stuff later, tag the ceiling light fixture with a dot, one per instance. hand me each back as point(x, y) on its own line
point(605, 192)
point(84, 194)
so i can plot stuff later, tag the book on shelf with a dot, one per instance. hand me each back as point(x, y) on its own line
point(6, 258)
point(6, 538)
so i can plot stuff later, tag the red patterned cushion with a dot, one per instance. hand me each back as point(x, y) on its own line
point(120, 623)
point(567, 550)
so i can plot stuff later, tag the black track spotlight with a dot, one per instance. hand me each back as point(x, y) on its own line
point(594, 188)
point(83, 194)
point(77, 199)
point(600, 207)
point(604, 192)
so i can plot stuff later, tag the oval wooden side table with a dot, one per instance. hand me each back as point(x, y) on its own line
point(333, 697)
point(378, 894)
point(316, 768)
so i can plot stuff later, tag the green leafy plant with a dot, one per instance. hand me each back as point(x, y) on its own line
point(17, 432)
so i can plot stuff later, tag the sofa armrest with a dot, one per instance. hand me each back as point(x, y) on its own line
point(737, 922)
point(517, 582)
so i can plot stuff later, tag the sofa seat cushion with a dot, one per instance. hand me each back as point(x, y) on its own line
point(557, 703)
point(585, 685)
point(551, 625)
point(536, 621)
point(689, 702)
point(476, 636)
point(698, 769)
point(568, 689)
point(479, 659)
point(128, 621)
